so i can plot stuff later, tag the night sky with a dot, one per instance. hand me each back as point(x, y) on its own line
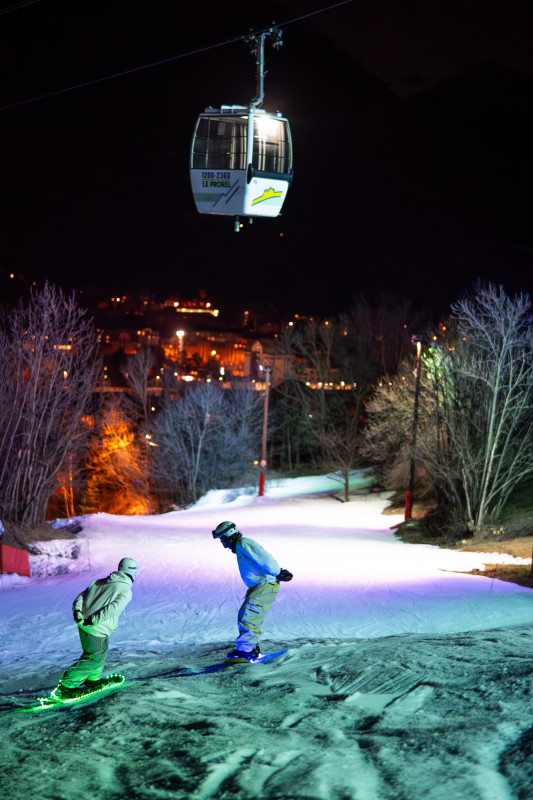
point(412, 125)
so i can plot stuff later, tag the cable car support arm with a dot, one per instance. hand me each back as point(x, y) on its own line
point(257, 46)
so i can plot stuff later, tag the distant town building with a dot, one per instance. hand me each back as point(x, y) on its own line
point(190, 337)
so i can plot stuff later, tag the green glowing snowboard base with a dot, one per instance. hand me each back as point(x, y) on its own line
point(53, 702)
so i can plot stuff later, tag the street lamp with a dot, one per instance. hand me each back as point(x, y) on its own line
point(418, 340)
point(180, 335)
point(263, 463)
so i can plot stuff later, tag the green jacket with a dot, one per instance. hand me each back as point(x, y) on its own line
point(102, 603)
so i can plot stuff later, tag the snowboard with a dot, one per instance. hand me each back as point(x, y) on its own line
point(90, 696)
point(264, 657)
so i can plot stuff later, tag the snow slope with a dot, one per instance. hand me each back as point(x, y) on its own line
point(403, 678)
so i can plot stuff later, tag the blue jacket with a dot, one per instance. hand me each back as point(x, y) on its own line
point(255, 564)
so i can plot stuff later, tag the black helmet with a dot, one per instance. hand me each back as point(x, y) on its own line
point(225, 529)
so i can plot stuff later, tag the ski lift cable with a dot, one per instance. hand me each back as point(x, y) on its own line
point(245, 37)
point(17, 6)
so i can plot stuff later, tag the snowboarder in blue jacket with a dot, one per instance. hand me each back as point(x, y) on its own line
point(262, 574)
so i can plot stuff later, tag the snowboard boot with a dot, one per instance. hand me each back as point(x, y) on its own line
point(101, 683)
point(93, 686)
point(249, 655)
point(62, 692)
point(244, 654)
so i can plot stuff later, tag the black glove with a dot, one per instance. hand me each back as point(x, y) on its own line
point(284, 575)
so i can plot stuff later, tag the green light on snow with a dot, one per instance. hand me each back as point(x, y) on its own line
point(53, 699)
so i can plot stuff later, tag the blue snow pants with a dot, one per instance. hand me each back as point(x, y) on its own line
point(257, 602)
point(91, 662)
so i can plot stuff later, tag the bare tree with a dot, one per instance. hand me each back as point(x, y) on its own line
point(341, 449)
point(377, 336)
point(389, 423)
point(136, 372)
point(309, 349)
point(291, 437)
point(205, 439)
point(48, 362)
point(485, 400)
point(332, 367)
point(475, 428)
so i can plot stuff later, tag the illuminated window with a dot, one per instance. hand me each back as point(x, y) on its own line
point(272, 152)
point(221, 142)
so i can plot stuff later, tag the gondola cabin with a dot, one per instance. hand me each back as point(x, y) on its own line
point(241, 162)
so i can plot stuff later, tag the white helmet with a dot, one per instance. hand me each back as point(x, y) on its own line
point(225, 529)
point(129, 566)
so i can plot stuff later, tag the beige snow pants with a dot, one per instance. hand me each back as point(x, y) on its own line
point(91, 662)
point(257, 602)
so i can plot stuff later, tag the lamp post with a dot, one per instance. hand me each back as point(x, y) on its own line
point(418, 340)
point(180, 334)
point(263, 463)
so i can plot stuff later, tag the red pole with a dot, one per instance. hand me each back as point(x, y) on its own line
point(408, 504)
point(262, 482)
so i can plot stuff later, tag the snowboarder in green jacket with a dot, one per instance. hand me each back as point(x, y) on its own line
point(262, 574)
point(96, 612)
